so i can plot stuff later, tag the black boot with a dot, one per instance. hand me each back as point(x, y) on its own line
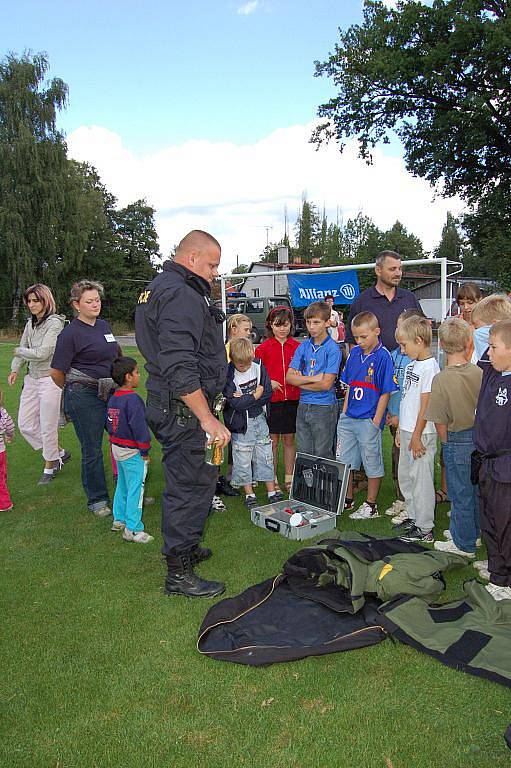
point(182, 580)
point(224, 488)
point(198, 554)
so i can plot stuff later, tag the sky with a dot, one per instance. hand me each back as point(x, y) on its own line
point(205, 109)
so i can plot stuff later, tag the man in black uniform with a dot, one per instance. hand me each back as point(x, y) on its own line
point(180, 335)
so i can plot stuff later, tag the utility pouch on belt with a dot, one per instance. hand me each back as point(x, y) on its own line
point(476, 461)
point(184, 415)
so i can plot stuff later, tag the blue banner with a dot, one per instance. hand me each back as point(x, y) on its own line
point(304, 289)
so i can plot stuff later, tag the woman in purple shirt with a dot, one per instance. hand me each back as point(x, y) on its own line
point(81, 366)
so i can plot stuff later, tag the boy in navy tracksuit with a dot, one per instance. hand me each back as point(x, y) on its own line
point(130, 441)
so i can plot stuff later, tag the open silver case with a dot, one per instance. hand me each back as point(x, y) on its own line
point(318, 492)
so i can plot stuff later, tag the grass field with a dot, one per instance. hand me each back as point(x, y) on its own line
point(100, 669)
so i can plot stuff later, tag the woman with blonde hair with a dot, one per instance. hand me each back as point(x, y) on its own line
point(38, 416)
point(82, 366)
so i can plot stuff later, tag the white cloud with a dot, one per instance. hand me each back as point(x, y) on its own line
point(248, 8)
point(235, 191)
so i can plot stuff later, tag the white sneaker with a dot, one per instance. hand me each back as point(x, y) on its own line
point(448, 537)
point(484, 573)
point(218, 504)
point(141, 537)
point(450, 546)
point(398, 519)
point(499, 593)
point(102, 511)
point(481, 565)
point(365, 512)
point(117, 525)
point(396, 508)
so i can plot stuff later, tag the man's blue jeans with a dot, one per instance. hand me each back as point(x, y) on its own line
point(87, 412)
point(464, 525)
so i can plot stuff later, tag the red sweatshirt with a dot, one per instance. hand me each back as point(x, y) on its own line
point(276, 358)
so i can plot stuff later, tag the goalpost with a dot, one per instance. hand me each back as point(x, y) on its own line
point(443, 263)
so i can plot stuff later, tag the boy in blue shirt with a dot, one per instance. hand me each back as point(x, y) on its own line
point(130, 441)
point(314, 367)
point(369, 374)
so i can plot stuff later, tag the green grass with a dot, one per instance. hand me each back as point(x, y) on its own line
point(100, 669)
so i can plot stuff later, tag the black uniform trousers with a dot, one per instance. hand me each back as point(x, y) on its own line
point(189, 482)
point(495, 512)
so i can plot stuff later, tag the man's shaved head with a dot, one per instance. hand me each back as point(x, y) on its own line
point(197, 240)
point(199, 252)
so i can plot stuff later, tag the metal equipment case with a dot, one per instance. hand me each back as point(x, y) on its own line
point(318, 491)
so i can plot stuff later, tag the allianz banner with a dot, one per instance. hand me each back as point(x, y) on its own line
point(304, 289)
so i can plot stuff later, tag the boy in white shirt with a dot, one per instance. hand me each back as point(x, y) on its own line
point(417, 436)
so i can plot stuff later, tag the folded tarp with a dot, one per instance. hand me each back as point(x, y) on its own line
point(269, 623)
point(472, 634)
point(341, 572)
point(320, 604)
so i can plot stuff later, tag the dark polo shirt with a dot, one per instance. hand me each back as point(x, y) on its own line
point(386, 311)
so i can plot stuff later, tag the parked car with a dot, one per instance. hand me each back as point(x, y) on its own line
point(256, 309)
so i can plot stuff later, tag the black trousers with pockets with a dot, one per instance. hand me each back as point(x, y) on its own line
point(495, 511)
point(189, 482)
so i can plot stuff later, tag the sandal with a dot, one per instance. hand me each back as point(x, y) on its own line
point(288, 482)
point(441, 498)
point(277, 486)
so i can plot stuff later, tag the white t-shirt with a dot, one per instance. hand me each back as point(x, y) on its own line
point(246, 382)
point(334, 332)
point(417, 381)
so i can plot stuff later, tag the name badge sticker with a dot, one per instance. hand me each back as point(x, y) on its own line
point(110, 337)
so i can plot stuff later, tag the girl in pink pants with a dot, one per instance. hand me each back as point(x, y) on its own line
point(6, 435)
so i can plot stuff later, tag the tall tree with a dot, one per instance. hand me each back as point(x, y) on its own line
point(451, 245)
point(437, 75)
point(398, 239)
point(33, 168)
point(137, 241)
point(307, 232)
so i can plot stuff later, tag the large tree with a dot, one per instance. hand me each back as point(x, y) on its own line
point(33, 169)
point(308, 232)
point(137, 241)
point(437, 75)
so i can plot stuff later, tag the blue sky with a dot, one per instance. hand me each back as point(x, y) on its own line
point(169, 71)
point(205, 109)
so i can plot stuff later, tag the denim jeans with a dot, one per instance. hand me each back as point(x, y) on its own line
point(87, 412)
point(315, 429)
point(252, 454)
point(464, 525)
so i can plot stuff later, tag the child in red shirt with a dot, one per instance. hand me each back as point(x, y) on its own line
point(276, 354)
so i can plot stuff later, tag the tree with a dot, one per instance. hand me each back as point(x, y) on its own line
point(101, 258)
point(33, 168)
point(307, 232)
point(489, 232)
point(439, 77)
point(398, 239)
point(451, 245)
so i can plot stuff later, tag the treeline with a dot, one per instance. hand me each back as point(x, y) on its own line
point(58, 222)
point(358, 240)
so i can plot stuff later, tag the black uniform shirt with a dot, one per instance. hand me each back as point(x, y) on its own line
point(492, 428)
point(178, 334)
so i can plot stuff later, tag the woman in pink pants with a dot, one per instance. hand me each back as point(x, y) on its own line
point(39, 410)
